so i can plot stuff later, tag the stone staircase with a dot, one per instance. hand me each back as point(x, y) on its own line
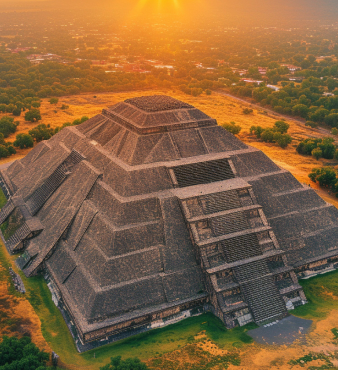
point(6, 210)
point(17, 238)
point(264, 299)
point(203, 173)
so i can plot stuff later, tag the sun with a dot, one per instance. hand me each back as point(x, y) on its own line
point(160, 5)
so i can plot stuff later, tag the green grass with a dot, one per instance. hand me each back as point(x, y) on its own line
point(317, 291)
point(3, 199)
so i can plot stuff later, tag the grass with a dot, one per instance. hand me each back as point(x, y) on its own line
point(322, 294)
point(3, 199)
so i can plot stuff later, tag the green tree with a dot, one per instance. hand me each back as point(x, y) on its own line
point(281, 126)
point(283, 140)
point(21, 354)
point(268, 135)
point(311, 124)
point(326, 176)
point(41, 132)
point(53, 100)
point(116, 363)
point(7, 126)
point(334, 131)
point(33, 115)
point(24, 141)
point(232, 127)
point(300, 110)
point(317, 153)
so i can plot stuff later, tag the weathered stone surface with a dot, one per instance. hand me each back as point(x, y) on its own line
point(150, 208)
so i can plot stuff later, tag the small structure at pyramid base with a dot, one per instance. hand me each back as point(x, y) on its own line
point(149, 213)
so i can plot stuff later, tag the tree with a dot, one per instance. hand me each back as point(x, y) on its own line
point(232, 127)
point(53, 100)
point(283, 140)
point(257, 130)
point(267, 136)
point(281, 126)
point(33, 115)
point(300, 110)
point(24, 141)
point(21, 354)
point(327, 147)
point(326, 176)
point(317, 153)
point(129, 364)
point(7, 126)
point(311, 124)
point(4, 151)
point(334, 131)
point(41, 132)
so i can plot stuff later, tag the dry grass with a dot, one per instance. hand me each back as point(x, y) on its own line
point(222, 108)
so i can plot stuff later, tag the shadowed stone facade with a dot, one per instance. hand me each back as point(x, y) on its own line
point(149, 211)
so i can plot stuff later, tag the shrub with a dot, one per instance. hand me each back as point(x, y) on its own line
point(232, 127)
point(247, 111)
point(53, 100)
point(7, 126)
point(281, 127)
point(311, 124)
point(317, 153)
point(283, 140)
point(16, 112)
point(33, 115)
point(267, 136)
point(334, 131)
point(208, 92)
point(257, 130)
point(23, 141)
point(129, 364)
point(64, 106)
point(21, 354)
point(4, 151)
point(41, 132)
point(326, 176)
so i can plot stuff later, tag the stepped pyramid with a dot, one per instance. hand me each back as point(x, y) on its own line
point(150, 212)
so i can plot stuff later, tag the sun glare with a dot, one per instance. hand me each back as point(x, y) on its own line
point(158, 5)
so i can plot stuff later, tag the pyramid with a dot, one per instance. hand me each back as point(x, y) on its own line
point(150, 212)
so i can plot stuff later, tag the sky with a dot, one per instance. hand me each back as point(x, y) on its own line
point(249, 10)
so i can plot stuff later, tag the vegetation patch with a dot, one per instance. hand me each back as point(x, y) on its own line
point(320, 300)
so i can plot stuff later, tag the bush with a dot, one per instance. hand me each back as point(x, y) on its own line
point(16, 112)
point(325, 145)
point(208, 92)
point(281, 127)
point(33, 115)
point(232, 127)
point(129, 364)
point(247, 111)
point(317, 153)
point(53, 100)
point(334, 131)
point(283, 140)
point(4, 152)
point(41, 132)
point(64, 106)
point(24, 141)
point(7, 126)
point(256, 130)
point(267, 136)
point(326, 176)
point(21, 354)
point(311, 124)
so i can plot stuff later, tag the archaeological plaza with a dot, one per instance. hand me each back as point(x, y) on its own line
point(150, 212)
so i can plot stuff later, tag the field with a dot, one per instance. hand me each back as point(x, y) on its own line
point(196, 343)
point(224, 109)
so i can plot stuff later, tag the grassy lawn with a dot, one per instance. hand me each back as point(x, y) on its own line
point(322, 294)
